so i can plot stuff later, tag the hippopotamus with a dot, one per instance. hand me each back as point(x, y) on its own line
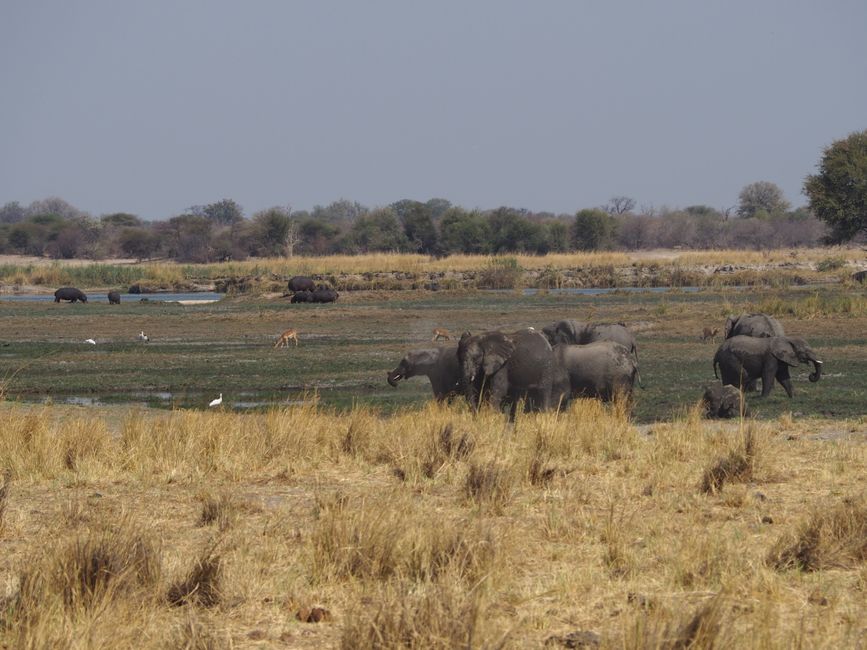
point(113, 298)
point(301, 296)
point(69, 293)
point(301, 283)
point(325, 295)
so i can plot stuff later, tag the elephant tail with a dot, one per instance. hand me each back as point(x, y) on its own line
point(638, 377)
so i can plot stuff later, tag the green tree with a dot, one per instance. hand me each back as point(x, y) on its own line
point(513, 231)
point(761, 199)
point(272, 228)
point(838, 192)
point(316, 237)
point(377, 231)
point(225, 212)
point(418, 225)
point(594, 230)
point(120, 220)
point(464, 232)
point(139, 243)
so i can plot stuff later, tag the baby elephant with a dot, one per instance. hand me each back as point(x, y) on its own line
point(723, 402)
point(440, 365)
point(69, 293)
point(743, 359)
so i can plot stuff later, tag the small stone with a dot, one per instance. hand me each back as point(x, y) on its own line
point(313, 615)
point(767, 519)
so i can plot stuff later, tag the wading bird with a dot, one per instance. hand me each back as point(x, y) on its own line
point(91, 341)
point(143, 337)
point(217, 402)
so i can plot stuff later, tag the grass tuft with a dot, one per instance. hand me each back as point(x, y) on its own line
point(833, 537)
point(202, 585)
point(488, 484)
point(434, 616)
point(736, 467)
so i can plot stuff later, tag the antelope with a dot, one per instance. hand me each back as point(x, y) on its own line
point(441, 333)
point(709, 333)
point(283, 339)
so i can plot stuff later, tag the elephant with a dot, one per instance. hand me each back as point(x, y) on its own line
point(743, 359)
point(505, 368)
point(723, 401)
point(113, 298)
point(301, 296)
point(575, 332)
point(301, 283)
point(602, 369)
point(440, 365)
point(324, 295)
point(759, 325)
point(69, 293)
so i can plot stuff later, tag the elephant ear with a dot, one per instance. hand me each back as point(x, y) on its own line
point(497, 349)
point(782, 348)
point(568, 331)
point(730, 324)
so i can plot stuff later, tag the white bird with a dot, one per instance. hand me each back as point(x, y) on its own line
point(143, 337)
point(91, 341)
point(217, 402)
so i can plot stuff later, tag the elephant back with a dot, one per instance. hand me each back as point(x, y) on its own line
point(755, 325)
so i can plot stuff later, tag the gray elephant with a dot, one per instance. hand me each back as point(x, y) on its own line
point(743, 359)
point(505, 368)
point(440, 365)
point(759, 325)
point(723, 402)
point(603, 369)
point(576, 332)
point(69, 293)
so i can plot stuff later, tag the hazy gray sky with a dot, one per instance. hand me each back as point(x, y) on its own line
point(150, 107)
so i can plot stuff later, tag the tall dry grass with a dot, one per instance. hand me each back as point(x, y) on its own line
point(176, 274)
point(435, 527)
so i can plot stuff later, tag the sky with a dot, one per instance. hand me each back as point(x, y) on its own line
point(152, 107)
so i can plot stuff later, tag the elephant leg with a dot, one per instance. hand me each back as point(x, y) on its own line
point(499, 389)
point(785, 380)
point(769, 370)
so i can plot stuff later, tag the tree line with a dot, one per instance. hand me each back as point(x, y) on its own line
point(219, 231)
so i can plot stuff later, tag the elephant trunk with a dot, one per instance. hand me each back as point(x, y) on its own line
point(816, 375)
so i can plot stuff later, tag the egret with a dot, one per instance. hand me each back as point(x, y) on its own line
point(217, 402)
point(143, 337)
point(91, 341)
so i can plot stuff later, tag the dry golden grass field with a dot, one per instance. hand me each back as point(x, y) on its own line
point(432, 528)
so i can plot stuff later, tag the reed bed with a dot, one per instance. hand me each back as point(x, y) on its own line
point(169, 273)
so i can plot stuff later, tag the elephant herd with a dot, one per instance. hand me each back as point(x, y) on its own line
point(570, 359)
point(546, 369)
